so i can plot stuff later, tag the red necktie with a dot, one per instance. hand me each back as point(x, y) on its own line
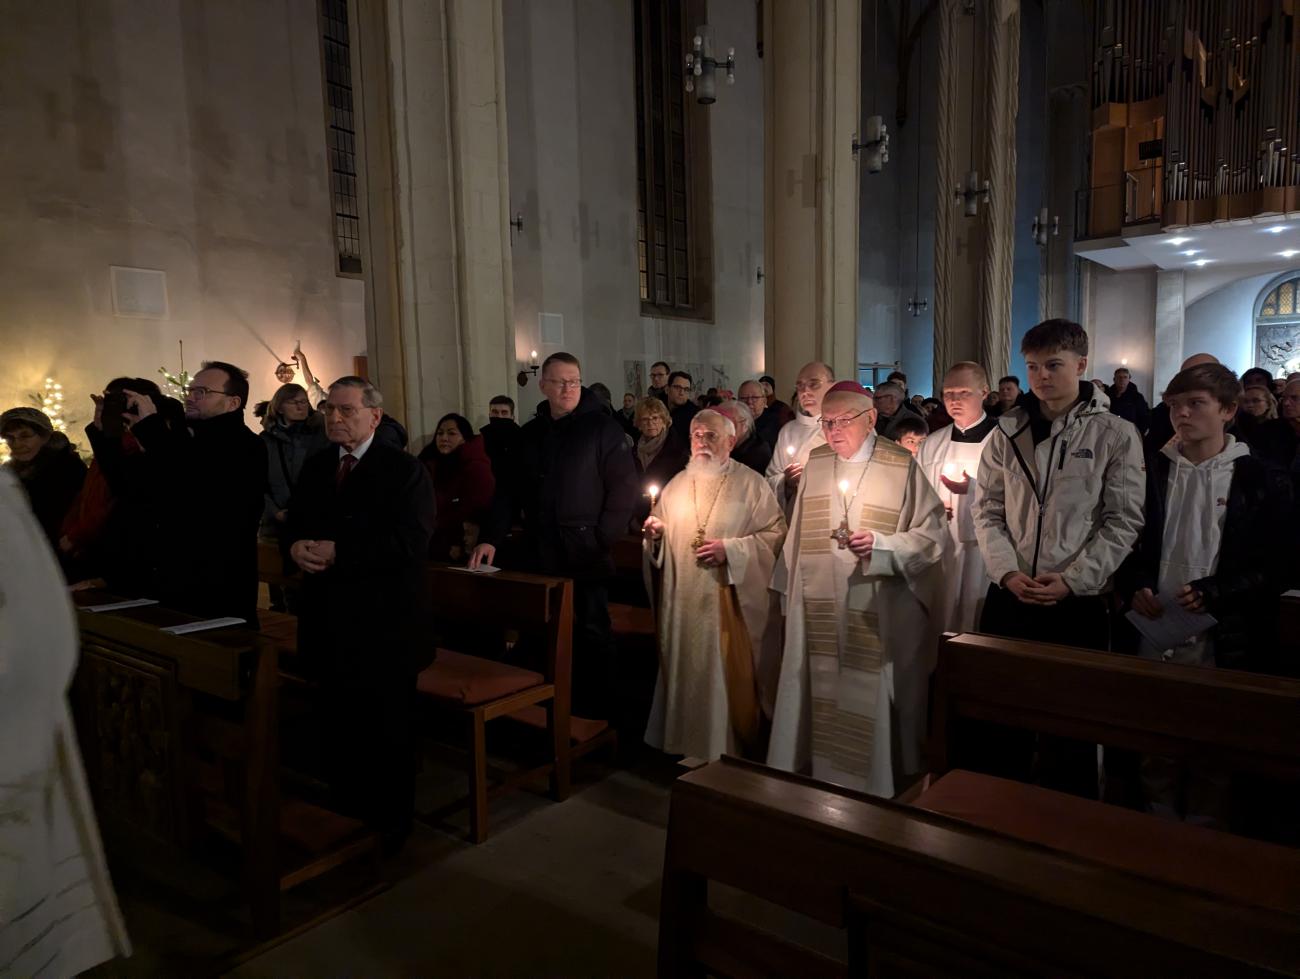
point(346, 465)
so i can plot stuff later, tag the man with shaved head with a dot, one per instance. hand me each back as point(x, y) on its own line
point(714, 536)
point(860, 577)
point(950, 459)
point(801, 435)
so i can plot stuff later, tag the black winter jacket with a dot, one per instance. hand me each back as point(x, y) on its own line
point(575, 482)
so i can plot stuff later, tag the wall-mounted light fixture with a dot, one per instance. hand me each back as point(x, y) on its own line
point(702, 67)
point(1042, 227)
point(522, 377)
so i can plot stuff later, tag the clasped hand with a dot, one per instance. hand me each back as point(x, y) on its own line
point(313, 556)
point(1046, 589)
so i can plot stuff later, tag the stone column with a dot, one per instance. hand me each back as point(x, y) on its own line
point(432, 135)
point(1170, 310)
point(979, 58)
point(811, 68)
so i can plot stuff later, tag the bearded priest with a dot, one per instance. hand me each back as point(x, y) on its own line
point(714, 535)
point(860, 577)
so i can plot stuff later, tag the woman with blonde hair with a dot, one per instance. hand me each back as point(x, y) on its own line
point(293, 431)
point(659, 456)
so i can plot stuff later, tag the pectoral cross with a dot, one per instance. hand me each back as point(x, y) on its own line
point(841, 534)
point(699, 539)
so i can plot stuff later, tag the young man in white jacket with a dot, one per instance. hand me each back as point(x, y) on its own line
point(1058, 508)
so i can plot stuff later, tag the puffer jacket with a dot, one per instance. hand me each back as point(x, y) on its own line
point(1072, 504)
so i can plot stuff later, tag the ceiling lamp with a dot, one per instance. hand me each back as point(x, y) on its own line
point(702, 67)
point(1179, 241)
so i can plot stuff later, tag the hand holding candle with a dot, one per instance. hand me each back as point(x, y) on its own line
point(793, 470)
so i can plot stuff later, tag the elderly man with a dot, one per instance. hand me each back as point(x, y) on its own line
point(218, 467)
point(950, 459)
point(800, 435)
point(892, 407)
point(714, 534)
point(860, 575)
point(749, 449)
point(359, 526)
point(1127, 401)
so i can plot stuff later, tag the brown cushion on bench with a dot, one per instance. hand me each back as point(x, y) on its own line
point(581, 729)
point(1239, 869)
point(631, 620)
point(470, 680)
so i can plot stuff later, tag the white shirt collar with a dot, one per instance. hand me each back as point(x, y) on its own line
point(975, 424)
point(867, 447)
point(359, 451)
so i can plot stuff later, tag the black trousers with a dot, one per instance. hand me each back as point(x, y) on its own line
point(1063, 764)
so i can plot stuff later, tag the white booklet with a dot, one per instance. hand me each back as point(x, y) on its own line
point(1174, 628)
point(115, 606)
point(481, 569)
point(187, 627)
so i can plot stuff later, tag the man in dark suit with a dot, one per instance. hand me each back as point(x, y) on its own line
point(574, 478)
point(359, 525)
point(210, 522)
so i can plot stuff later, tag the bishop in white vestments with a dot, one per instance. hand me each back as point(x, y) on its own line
point(714, 535)
point(801, 435)
point(950, 459)
point(860, 576)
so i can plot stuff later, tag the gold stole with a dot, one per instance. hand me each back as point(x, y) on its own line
point(843, 729)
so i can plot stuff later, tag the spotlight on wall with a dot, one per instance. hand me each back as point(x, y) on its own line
point(702, 67)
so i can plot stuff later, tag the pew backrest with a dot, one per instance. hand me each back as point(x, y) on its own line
point(1244, 721)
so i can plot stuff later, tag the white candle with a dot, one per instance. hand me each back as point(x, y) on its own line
point(949, 471)
point(789, 451)
point(533, 355)
point(653, 490)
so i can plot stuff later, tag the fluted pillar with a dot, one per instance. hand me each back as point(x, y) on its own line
point(979, 58)
point(811, 65)
point(436, 245)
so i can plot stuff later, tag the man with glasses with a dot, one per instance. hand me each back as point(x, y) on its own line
point(950, 459)
point(714, 536)
point(681, 407)
point(658, 381)
point(218, 467)
point(573, 477)
point(801, 435)
point(860, 579)
point(359, 526)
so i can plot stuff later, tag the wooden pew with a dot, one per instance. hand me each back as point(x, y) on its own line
point(1243, 722)
point(475, 612)
point(180, 737)
point(917, 893)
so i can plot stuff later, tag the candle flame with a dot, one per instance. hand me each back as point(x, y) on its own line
point(844, 486)
point(789, 450)
point(653, 490)
point(949, 469)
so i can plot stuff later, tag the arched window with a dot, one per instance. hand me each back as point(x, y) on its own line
point(1277, 325)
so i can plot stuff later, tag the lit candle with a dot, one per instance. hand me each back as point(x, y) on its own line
point(789, 451)
point(653, 490)
point(533, 355)
point(949, 472)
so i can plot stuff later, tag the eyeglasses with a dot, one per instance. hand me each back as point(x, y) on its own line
point(839, 424)
point(754, 397)
point(347, 411)
point(564, 385)
point(199, 391)
point(704, 435)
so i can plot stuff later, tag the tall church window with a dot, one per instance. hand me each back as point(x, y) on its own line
point(341, 134)
point(1277, 325)
point(674, 183)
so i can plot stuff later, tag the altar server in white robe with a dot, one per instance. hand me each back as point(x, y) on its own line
point(714, 534)
point(58, 914)
point(950, 459)
point(801, 435)
point(860, 572)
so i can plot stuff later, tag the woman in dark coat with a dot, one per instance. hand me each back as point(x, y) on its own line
point(658, 456)
point(47, 465)
point(463, 485)
point(293, 431)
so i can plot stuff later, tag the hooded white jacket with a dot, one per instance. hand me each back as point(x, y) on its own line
point(1072, 504)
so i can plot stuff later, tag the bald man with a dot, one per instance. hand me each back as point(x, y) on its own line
point(950, 459)
point(801, 435)
point(860, 576)
point(1162, 429)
